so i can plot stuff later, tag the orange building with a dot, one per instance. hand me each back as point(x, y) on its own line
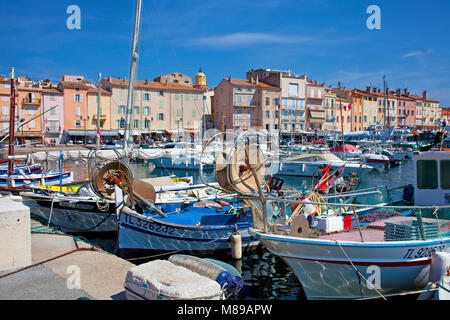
point(357, 111)
point(75, 90)
point(28, 107)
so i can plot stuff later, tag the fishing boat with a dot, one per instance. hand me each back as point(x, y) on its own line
point(308, 163)
point(385, 257)
point(346, 151)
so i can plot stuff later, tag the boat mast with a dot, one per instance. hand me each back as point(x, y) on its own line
point(384, 119)
point(98, 108)
point(12, 116)
point(342, 118)
point(134, 61)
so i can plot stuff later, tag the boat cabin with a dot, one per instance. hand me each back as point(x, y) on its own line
point(432, 178)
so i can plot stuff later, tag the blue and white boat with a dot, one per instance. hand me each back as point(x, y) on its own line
point(204, 228)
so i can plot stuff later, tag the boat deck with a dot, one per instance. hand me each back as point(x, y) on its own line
point(374, 232)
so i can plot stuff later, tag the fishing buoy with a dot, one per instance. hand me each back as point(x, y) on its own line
point(236, 246)
point(223, 203)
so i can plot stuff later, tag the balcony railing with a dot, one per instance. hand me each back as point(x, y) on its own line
point(28, 101)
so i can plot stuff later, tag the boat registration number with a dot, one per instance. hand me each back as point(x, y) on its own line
point(151, 226)
point(422, 252)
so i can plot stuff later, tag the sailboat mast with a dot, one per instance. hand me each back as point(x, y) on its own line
point(134, 61)
point(98, 108)
point(12, 116)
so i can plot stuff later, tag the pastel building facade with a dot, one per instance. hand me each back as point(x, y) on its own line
point(315, 111)
point(53, 117)
point(158, 108)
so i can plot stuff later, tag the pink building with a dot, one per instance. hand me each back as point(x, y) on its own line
point(53, 106)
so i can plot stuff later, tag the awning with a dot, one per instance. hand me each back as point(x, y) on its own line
point(318, 115)
point(92, 133)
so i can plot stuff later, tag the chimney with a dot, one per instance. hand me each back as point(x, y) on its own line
point(315, 82)
point(229, 79)
point(399, 92)
point(368, 88)
point(425, 95)
point(257, 80)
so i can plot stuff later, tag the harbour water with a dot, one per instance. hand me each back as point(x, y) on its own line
point(265, 276)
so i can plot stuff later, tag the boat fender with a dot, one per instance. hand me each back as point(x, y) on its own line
point(237, 281)
point(236, 246)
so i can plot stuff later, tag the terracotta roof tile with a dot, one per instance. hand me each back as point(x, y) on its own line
point(154, 85)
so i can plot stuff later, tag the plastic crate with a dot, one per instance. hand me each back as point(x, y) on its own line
point(410, 230)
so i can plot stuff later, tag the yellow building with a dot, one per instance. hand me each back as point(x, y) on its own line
point(200, 80)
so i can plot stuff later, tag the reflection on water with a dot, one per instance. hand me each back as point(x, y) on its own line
point(265, 275)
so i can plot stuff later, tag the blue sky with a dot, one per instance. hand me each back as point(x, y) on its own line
point(326, 39)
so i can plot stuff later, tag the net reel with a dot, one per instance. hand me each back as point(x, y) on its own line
point(105, 175)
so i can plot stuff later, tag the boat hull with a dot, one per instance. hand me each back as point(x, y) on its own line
point(325, 272)
point(143, 236)
point(80, 217)
point(184, 163)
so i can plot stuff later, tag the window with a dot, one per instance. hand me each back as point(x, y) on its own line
point(161, 104)
point(188, 96)
point(195, 97)
point(136, 124)
point(52, 126)
point(427, 174)
point(146, 111)
point(5, 111)
point(267, 101)
point(121, 109)
point(161, 93)
point(194, 113)
point(122, 94)
point(239, 100)
point(5, 99)
point(293, 89)
point(137, 110)
point(177, 96)
point(319, 93)
point(146, 96)
point(160, 116)
point(78, 123)
point(77, 98)
point(249, 100)
point(52, 111)
point(445, 174)
point(267, 115)
point(147, 124)
point(52, 97)
point(78, 112)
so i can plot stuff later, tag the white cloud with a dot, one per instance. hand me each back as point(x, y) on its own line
point(247, 38)
point(418, 53)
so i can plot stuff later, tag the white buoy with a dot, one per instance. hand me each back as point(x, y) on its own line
point(236, 246)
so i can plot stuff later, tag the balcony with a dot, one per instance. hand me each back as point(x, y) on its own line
point(32, 102)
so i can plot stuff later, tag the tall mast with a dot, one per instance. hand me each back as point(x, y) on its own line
point(342, 119)
point(134, 61)
point(98, 108)
point(385, 103)
point(12, 116)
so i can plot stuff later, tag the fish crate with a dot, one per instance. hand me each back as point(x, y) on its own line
point(410, 230)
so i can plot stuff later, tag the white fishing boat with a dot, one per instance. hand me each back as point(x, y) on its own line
point(308, 163)
point(386, 257)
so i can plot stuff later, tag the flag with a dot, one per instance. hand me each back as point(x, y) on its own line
point(279, 106)
point(98, 134)
point(323, 181)
point(345, 108)
point(350, 106)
